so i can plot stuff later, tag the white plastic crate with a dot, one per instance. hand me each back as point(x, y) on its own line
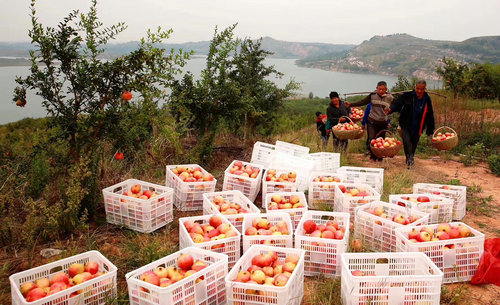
point(237, 197)
point(229, 245)
point(250, 187)
point(100, 290)
point(345, 203)
point(322, 256)
point(456, 192)
point(285, 241)
point(210, 290)
point(390, 278)
point(325, 161)
point(292, 149)
point(374, 177)
point(143, 215)
point(290, 294)
point(261, 153)
point(458, 258)
point(377, 232)
point(188, 196)
point(295, 213)
point(303, 166)
point(322, 193)
point(276, 186)
point(440, 208)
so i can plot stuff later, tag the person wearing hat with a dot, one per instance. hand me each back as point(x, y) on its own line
point(321, 127)
point(334, 112)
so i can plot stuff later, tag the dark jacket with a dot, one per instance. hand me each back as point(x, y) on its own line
point(333, 114)
point(404, 105)
point(320, 126)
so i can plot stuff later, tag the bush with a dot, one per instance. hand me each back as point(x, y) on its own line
point(494, 163)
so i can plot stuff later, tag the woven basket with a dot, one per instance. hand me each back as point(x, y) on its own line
point(357, 119)
point(361, 134)
point(346, 134)
point(386, 152)
point(448, 143)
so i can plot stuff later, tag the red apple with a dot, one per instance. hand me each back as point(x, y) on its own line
point(135, 189)
point(35, 294)
point(60, 277)
point(309, 226)
point(91, 267)
point(423, 199)
point(75, 269)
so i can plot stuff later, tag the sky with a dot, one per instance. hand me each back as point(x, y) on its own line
point(328, 21)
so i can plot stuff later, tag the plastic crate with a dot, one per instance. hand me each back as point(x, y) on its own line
point(143, 215)
point(210, 290)
point(262, 153)
point(229, 245)
point(250, 187)
point(325, 161)
point(303, 166)
point(374, 177)
point(292, 149)
point(322, 193)
point(188, 196)
point(440, 208)
point(456, 192)
point(100, 290)
point(276, 186)
point(285, 241)
point(377, 232)
point(458, 264)
point(290, 294)
point(295, 213)
point(345, 203)
point(390, 278)
point(209, 208)
point(322, 256)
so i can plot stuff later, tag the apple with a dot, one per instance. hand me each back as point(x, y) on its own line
point(444, 227)
point(75, 269)
point(339, 234)
point(42, 283)
point(378, 211)
point(423, 199)
point(328, 234)
point(424, 236)
point(413, 234)
point(399, 218)
point(60, 277)
point(26, 287)
point(199, 265)
point(258, 276)
point(243, 276)
point(91, 267)
point(358, 273)
point(356, 245)
point(464, 231)
point(35, 294)
point(443, 236)
point(136, 189)
point(292, 258)
point(280, 280)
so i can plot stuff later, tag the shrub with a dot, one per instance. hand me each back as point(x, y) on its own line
point(494, 163)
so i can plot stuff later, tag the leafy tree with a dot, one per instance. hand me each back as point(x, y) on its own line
point(454, 75)
point(404, 84)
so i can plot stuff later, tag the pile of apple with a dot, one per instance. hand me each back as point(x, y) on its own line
point(360, 192)
point(214, 230)
point(194, 174)
point(443, 136)
point(444, 231)
point(136, 192)
point(262, 226)
point(282, 203)
point(384, 143)
point(164, 277)
point(397, 218)
point(272, 175)
point(444, 187)
point(326, 179)
point(247, 171)
point(330, 230)
point(346, 126)
point(419, 199)
point(227, 207)
point(268, 269)
point(77, 274)
point(356, 113)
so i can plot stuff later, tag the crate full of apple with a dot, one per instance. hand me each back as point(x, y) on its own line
point(243, 176)
point(440, 208)
point(293, 203)
point(273, 229)
point(139, 205)
point(210, 232)
point(322, 189)
point(390, 278)
point(454, 247)
point(189, 182)
point(86, 278)
point(374, 177)
point(267, 275)
point(233, 205)
point(278, 180)
point(375, 223)
point(458, 193)
point(324, 237)
point(348, 196)
point(190, 276)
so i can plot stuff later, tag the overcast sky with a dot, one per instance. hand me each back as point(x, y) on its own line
point(330, 21)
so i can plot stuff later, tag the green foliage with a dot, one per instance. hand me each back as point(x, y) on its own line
point(494, 164)
point(473, 154)
point(404, 84)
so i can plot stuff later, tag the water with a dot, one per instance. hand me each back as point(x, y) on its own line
point(319, 82)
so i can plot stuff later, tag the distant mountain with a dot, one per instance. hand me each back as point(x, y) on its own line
point(403, 54)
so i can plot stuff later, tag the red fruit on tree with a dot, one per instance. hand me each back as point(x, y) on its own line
point(127, 95)
point(119, 156)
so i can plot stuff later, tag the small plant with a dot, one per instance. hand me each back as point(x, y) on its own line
point(494, 163)
point(477, 204)
point(455, 295)
point(473, 154)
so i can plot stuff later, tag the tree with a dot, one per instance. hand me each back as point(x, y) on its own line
point(454, 75)
point(404, 84)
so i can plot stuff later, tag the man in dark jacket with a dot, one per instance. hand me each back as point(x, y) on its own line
point(334, 112)
point(416, 113)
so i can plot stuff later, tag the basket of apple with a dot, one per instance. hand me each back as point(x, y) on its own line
point(293, 203)
point(445, 140)
point(243, 176)
point(440, 208)
point(231, 204)
point(454, 247)
point(375, 223)
point(322, 188)
point(356, 114)
point(274, 229)
point(324, 236)
point(210, 232)
point(86, 278)
point(346, 131)
point(385, 147)
point(278, 180)
point(267, 275)
point(184, 277)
